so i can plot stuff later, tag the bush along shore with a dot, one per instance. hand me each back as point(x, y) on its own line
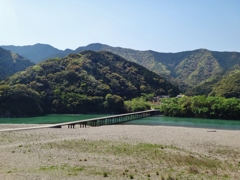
point(201, 106)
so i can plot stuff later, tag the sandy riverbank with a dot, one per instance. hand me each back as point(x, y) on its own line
point(119, 152)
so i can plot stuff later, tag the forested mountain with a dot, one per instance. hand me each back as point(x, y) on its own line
point(38, 52)
point(229, 86)
point(195, 72)
point(79, 83)
point(11, 63)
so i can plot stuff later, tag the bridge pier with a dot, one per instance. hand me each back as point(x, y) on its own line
point(84, 125)
point(71, 126)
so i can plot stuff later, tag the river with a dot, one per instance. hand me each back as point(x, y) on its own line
point(188, 122)
point(154, 120)
point(50, 119)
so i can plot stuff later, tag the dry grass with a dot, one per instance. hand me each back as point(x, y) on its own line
point(57, 155)
point(115, 160)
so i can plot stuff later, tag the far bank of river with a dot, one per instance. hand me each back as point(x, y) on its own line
point(188, 122)
point(154, 120)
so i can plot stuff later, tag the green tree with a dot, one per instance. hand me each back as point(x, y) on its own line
point(231, 108)
point(114, 103)
point(137, 104)
point(216, 107)
point(200, 106)
point(19, 100)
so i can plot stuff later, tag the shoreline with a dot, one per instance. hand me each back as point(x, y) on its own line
point(220, 135)
point(15, 125)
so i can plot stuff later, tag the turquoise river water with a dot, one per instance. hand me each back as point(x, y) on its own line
point(188, 122)
point(50, 119)
point(154, 120)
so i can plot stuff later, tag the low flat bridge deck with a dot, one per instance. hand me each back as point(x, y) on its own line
point(108, 120)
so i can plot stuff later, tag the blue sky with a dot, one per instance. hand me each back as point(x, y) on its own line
point(160, 25)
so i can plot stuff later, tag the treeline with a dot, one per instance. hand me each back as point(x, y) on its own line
point(202, 106)
point(19, 100)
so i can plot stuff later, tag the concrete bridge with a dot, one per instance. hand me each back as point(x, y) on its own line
point(108, 120)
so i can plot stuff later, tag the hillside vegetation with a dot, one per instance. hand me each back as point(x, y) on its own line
point(79, 83)
point(229, 86)
point(196, 72)
point(11, 63)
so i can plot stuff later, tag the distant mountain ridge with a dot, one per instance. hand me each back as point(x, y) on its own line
point(38, 52)
point(11, 63)
point(195, 72)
